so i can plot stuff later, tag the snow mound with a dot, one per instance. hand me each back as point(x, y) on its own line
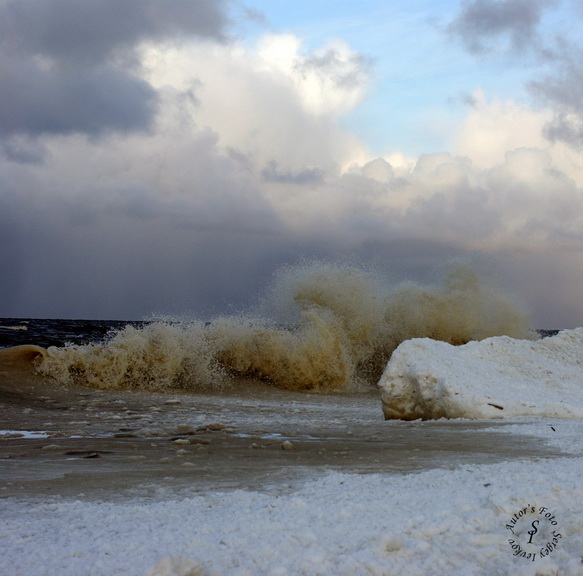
point(495, 378)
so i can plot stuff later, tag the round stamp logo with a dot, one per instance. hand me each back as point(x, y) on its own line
point(535, 532)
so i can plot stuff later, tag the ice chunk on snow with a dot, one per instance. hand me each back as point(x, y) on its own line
point(495, 378)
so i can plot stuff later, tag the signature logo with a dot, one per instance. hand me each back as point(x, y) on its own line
point(535, 532)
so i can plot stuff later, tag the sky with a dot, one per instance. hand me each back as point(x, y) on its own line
point(169, 156)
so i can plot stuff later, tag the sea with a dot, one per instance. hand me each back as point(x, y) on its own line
point(252, 442)
point(302, 364)
point(319, 328)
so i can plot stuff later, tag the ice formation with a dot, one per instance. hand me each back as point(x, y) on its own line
point(497, 377)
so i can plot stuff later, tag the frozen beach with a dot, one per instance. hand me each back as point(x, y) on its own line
point(291, 288)
point(137, 483)
point(253, 479)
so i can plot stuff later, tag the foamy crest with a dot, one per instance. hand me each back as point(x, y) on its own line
point(323, 327)
point(312, 356)
point(462, 310)
point(158, 356)
point(329, 318)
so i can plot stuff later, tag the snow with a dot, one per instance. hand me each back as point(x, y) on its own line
point(340, 524)
point(520, 517)
point(439, 521)
point(493, 378)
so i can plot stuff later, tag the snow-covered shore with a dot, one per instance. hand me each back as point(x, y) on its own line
point(463, 519)
point(454, 511)
point(494, 378)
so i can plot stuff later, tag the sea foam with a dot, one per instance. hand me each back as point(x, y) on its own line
point(321, 327)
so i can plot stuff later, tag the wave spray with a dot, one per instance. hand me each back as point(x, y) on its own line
point(322, 327)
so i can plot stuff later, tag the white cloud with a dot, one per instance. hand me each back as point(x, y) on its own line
point(492, 127)
point(329, 81)
point(269, 103)
point(549, 47)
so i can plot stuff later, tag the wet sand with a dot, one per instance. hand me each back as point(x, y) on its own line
point(100, 444)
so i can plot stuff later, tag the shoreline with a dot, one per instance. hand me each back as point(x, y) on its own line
point(131, 483)
point(105, 444)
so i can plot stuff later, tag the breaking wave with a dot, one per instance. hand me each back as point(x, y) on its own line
point(321, 327)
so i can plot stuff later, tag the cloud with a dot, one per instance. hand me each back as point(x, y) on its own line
point(556, 56)
point(482, 23)
point(175, 219)
point(70, 66)
point(333, 70)
point(93, 30)
point(171, 221)
point(562, 90)
point(379, 170)
point(117, 227)
point(264, 103)
point(218, 162)
point(272, 173)
point(64, 100)
point(24, 149)
point(494, 126)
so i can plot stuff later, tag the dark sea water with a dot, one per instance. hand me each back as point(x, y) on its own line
point(59, 332)
point(55, 332)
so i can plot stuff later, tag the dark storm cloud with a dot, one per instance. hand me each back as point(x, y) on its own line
point(70, 99)
point(123, 230)
point(107, 252)
point(562, 89)
point(272, 173)
point(482, 22)
point(23, 149)
point(68, 66)
point(91, 30)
